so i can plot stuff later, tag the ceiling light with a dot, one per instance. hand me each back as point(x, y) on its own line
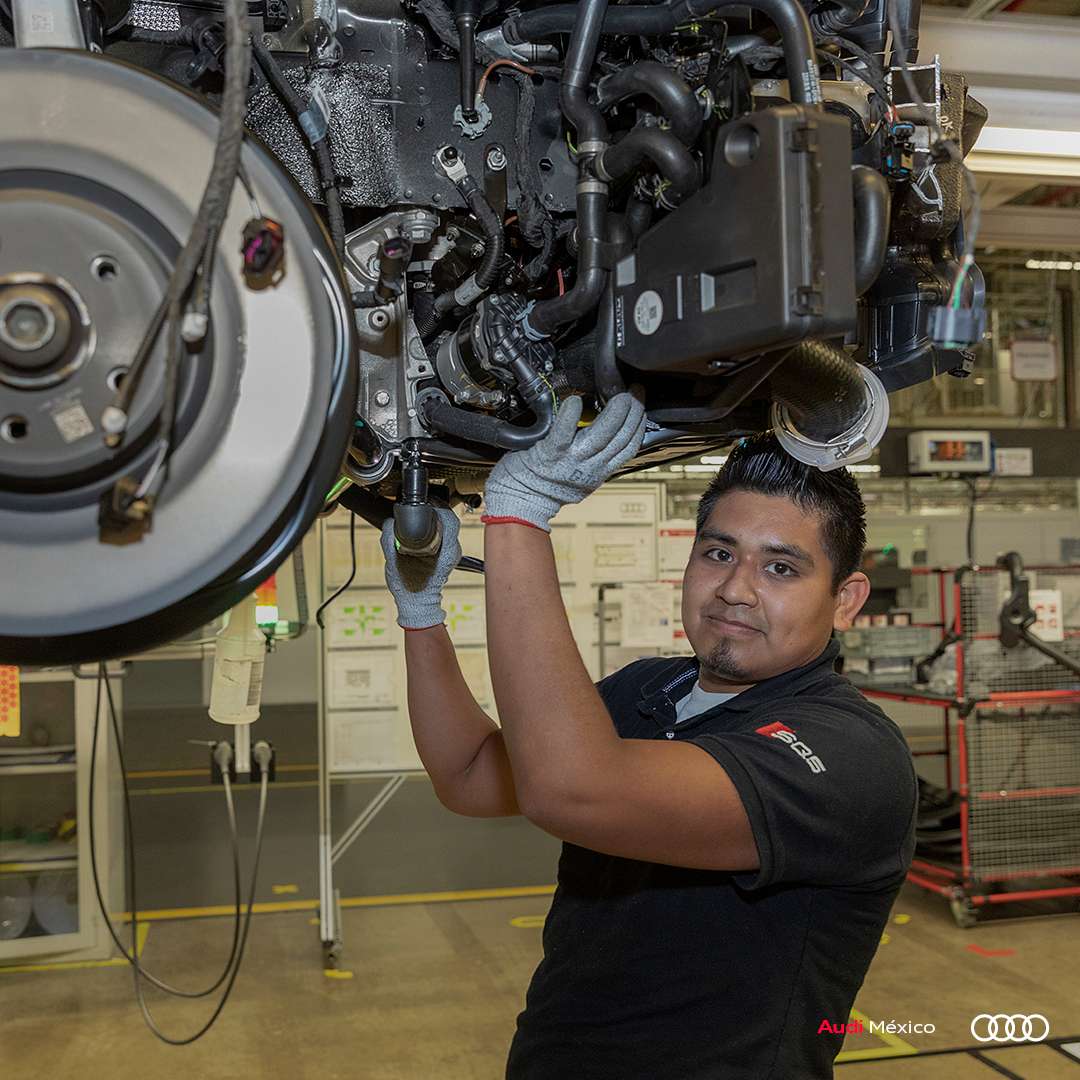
point(1051, 264)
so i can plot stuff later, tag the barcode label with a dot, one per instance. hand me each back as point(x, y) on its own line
point(255, 686)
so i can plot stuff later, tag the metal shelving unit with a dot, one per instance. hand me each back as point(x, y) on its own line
point(47, 907)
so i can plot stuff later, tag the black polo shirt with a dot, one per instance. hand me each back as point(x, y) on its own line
point(657, 972)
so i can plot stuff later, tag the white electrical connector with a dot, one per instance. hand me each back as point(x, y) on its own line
point(236, 687)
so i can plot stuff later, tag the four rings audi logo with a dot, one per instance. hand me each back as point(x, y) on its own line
point(1016, 1028)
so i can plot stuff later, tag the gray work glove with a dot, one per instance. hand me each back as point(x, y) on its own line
point(416, 582)
point(567, 464)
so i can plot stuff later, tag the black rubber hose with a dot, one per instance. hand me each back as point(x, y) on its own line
point(609, 380)
point(822, 389)
point(466, 13)
point(484, 428)
point(548, 315)
point(639, 214)
point(586, 118)
point(669, 156)
point(441, 416)
point(786, 15)
point(838, 15)
point(494, 240)
point(872, 206)
point(320, 149)
point(673, 97)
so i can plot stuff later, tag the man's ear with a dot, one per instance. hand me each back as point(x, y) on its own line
point(850, 597)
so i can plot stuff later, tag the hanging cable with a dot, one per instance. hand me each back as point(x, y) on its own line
point(152, 979)
point(348, 581)
point(236, 952)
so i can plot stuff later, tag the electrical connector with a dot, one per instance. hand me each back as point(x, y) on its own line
point(957, 328)
point(263, 761)
point(222, 762)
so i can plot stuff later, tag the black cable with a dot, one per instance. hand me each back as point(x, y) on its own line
point(133, 959)
point(320, 149)
point(147, 1016)
point(352, 573)
point(213, 205)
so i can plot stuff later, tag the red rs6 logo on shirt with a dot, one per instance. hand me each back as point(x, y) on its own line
point(785, 734)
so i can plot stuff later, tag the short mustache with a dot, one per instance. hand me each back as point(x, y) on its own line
point(736, 622)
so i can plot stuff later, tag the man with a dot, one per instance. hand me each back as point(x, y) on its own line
point(736, 824)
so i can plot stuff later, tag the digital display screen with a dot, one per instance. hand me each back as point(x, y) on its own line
point(951, 450)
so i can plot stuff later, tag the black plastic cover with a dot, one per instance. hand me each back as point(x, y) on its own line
point(760, 258)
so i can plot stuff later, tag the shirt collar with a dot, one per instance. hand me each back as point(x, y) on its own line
point(675, 680)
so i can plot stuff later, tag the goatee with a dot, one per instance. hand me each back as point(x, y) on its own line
point(721, 664)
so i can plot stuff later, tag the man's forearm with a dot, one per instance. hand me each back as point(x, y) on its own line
point(556, 728)
point(447, 723)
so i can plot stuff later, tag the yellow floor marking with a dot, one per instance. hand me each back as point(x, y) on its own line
point(885, 939)
point(440, 897)
point(336, 973)
point(314, 922)
point(901, 919)
point(163, 774)
point(77, 965)
point(528, 922)
point(281, 890)
point(894, 1045)
point(275, 907)
point(197, 789)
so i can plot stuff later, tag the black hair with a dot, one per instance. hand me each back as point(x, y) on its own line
point(761, 465)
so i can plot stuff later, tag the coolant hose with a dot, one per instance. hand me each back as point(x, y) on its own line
point(822, 389)
point(548, 315)
point(872, 206)
point(440, 415)
point(669, 155)
point(787, 16)
point(674, 99)
point(574, 101)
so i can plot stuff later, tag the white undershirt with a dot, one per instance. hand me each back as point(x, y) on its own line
point(697, 701)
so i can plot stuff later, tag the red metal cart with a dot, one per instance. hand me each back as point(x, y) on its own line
point(1013, 718)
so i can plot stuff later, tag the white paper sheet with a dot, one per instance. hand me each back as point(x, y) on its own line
point(676, 539)
point(618, 554)
point(647, 615)
point(370, 740)
point(368, 678)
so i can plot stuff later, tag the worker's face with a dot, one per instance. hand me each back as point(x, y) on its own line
point(757, 593)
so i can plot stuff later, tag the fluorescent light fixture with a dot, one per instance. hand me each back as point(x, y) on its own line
point(714, 459)
point(868, 469)
point(1051, 264)
point(1026, 152)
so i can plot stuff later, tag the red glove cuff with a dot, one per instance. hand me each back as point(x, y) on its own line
point(489, 519)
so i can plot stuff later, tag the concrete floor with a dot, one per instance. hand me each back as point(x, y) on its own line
point(431, 989)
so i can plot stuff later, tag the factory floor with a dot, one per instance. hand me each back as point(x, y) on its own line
point(442, 920)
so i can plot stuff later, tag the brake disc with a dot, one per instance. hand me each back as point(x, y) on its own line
point(101, 169)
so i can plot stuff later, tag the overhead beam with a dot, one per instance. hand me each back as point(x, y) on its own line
point(1032, 228)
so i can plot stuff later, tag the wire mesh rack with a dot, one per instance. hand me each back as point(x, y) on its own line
point(1023, 768)
point(1008, 829)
